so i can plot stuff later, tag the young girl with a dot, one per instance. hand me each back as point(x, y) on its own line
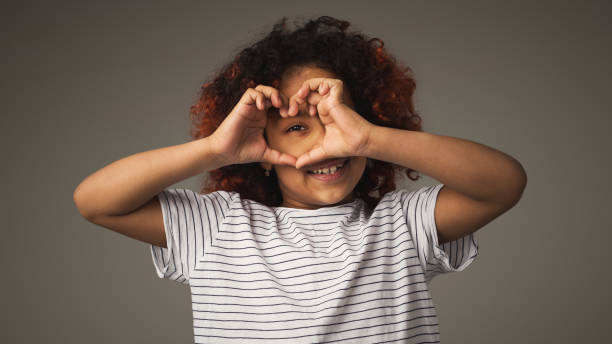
point(300, 235)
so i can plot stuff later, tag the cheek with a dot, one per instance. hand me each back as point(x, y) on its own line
point(289, 177)
point(359, 167)
point(296, 145)
point(301, 143)
point(274, 141)
point(298, 149)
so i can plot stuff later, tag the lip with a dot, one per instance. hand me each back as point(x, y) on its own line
point(326, 163)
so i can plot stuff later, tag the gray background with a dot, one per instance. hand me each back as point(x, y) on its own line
point(86, 84)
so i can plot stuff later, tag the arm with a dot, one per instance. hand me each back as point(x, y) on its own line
point(123, 195)
point(480, 183)
point(127, 184)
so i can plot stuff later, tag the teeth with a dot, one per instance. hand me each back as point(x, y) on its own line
point(330, 170)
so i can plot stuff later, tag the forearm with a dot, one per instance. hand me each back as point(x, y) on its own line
point(128, 183)
point(475, 170)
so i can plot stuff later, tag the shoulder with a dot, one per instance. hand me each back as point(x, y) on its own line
point(420, 198)
point(184, 197)
point(403, 195)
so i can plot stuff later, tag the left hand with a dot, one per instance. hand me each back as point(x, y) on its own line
point(346, 132)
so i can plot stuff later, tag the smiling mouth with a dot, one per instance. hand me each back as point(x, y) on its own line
point(329, 171)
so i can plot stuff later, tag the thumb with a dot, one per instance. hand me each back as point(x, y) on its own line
point(278, 158)
point(310, 157)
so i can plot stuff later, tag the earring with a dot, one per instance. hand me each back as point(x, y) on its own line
point(267, 173)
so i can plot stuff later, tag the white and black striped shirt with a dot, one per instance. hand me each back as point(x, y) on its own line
point(337, 274)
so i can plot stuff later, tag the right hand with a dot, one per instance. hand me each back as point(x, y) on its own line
point(239, 139)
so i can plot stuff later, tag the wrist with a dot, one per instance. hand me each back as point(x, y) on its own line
point(372, 141)
point(210, 157)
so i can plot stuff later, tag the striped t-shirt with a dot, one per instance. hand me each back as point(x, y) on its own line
point(337, 274)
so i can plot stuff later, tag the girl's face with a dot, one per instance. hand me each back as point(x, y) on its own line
point(299, 134)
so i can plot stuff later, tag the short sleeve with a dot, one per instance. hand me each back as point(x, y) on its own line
point(418, 207)
point(188, 219)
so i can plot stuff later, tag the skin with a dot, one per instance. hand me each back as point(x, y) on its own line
point(300, 189)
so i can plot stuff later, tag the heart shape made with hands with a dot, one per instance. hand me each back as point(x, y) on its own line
point(346, 132)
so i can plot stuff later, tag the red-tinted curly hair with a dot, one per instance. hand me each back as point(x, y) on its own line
point(380, 87)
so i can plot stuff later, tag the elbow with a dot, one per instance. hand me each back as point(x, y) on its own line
point(79, 204)
point(516, 186)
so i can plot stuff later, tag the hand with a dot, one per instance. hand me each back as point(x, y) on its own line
point(239, 139)
point(346, 132)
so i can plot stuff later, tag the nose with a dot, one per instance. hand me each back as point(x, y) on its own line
point(317, 132)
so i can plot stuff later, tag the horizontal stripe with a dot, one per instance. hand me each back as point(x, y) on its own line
point(311, 318)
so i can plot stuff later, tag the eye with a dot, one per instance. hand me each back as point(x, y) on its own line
point(295, 126)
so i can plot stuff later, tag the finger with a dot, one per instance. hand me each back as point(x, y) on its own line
point(303, 91)
point(275, 98)
point(284, 108)
point(296, 100)
point(270, 93)
point(278, 158)
point(314, 85)
point(287, 159)
point(283, 111)
point(310, 92)
point(312, 110)
point(294, 107)
point(302, 96)
point(310, 157)
point(324, 88)
point(294, 104)
point(249, 97)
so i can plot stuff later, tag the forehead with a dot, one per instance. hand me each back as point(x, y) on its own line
point(293, 78)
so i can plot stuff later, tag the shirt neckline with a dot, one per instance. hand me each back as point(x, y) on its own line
point(323, 210)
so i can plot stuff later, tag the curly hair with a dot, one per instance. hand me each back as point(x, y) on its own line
point(381, 88)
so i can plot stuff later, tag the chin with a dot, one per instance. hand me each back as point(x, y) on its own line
point(339, 199)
